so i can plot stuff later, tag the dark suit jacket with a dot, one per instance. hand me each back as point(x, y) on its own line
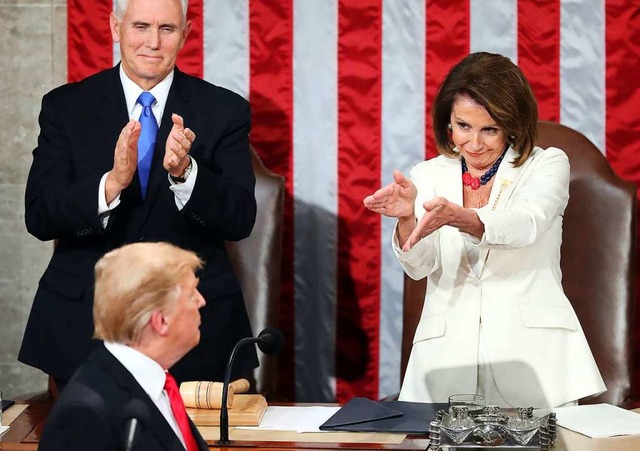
point(88, 415)
point(79, 126)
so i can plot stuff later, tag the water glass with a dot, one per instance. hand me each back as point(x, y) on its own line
point(474, 403)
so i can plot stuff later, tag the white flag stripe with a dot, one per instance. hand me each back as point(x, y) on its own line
point(403, 145)
point(582, 68)
point(315, 170)
point(494, 27)
point(226, 44)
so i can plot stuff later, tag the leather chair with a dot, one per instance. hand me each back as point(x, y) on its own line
point(598, 262)
point(256, 260)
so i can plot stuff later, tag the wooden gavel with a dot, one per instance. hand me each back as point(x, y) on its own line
point(208, 395)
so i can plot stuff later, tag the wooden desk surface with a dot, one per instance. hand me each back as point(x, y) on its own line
point(27, 427)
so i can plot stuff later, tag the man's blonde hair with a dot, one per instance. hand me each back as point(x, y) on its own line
point(132, 282)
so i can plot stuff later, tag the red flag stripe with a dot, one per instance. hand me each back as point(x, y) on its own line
point(271, 94)
point(539, 53)
point(190, 58)
point(89, 43)
point(447, 35)
point(359, 110)
point(623, 103)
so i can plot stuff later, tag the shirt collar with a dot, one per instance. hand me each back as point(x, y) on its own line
point(132, 91)
point(149, 374)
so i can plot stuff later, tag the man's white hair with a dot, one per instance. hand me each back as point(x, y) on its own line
point(121, 7)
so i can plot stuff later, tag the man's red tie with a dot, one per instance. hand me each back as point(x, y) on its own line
point(180, 413)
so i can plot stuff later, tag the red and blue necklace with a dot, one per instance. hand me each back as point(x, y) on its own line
point(477, 182)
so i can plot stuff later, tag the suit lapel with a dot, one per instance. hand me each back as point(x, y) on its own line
point(177, 102)
point(501, 191)
point(157, 423)
point(201, 443)
point(449, 186)
point(450, 175)
point(504, 182)
point(111, 117)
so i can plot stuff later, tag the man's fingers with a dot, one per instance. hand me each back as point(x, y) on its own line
point(136, 129)
point(189, 134)
point(175, 149)
point(180, 139)
point(127, 145)
point(130, 134)
point(127, 130)
point(177, 121)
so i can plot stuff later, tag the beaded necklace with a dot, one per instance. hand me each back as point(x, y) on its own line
point(476, 182)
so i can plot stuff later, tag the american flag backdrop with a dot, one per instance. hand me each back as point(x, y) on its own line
point(341, 93)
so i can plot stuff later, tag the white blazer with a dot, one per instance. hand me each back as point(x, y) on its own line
point(538, 352)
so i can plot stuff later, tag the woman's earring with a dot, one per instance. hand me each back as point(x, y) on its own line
point(449, 126)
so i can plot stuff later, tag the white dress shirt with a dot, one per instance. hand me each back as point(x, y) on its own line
point(181, 191)
point(151, 378)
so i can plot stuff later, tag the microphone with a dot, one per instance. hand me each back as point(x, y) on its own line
point(269, 341)
point(135, 415)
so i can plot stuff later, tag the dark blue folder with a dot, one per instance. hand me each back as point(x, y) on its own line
point(6, 403)
point(365, 415)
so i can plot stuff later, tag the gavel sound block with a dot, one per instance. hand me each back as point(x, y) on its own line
point(203, 400)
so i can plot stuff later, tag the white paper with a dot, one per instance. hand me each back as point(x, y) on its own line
point(3, 429)
point(291, 418)
point(599, 420)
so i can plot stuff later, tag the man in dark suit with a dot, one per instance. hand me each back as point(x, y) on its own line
point(98, 181)
point(146, 310)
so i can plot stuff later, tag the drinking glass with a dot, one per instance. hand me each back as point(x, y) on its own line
point(474, 403)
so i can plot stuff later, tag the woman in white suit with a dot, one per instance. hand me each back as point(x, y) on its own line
point(483, 221)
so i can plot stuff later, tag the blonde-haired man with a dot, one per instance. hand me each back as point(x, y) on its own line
point(146, 311)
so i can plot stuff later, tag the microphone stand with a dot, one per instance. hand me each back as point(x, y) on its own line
point(224, 410)
point(270, 341)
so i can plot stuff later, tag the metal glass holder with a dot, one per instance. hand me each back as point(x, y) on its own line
point(492, 429)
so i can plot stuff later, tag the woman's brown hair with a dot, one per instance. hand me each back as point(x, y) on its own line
point(497, 84)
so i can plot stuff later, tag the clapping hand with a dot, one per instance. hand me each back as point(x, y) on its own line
point(438, 212)
point(176, 155)
point(125, 160)
point(395, 200)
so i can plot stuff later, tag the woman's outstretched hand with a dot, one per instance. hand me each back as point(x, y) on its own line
point(395, 200)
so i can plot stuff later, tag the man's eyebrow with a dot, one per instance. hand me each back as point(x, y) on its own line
point(148, 24)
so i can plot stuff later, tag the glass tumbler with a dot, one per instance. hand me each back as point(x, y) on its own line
point(474, 403)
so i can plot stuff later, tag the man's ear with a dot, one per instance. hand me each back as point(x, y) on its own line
point(185, 33)
point(159, 323)
point(114, 25)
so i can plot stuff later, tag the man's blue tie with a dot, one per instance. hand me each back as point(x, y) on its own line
point(147, 140)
